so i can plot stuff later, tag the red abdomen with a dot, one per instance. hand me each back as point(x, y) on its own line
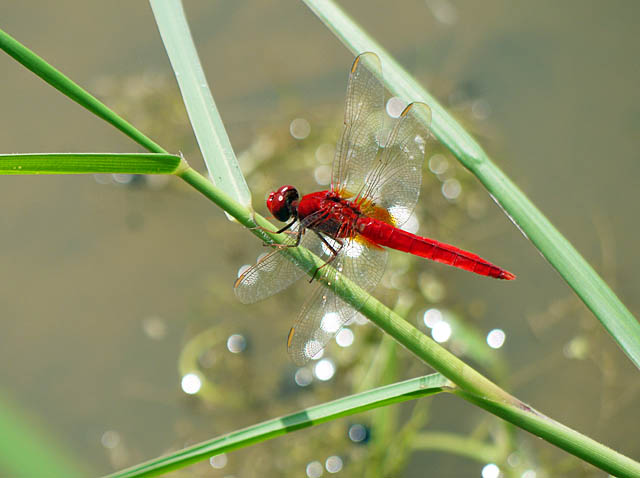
point(386, 235)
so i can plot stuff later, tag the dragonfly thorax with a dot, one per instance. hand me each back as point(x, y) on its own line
point(283, 203)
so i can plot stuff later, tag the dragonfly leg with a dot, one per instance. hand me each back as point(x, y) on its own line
point(288, 226)
point(298, 234)
point(334, 253)
point(280, 231)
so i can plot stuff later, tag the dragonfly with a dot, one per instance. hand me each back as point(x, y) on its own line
point(375, 184)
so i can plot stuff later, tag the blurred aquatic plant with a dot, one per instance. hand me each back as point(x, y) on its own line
point(385, 431)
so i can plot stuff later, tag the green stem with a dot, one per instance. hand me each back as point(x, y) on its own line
point(473, 384)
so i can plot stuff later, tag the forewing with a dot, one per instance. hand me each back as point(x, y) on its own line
point(394, 182)
point(325, 313)
point(363, 120)
point(275, 271)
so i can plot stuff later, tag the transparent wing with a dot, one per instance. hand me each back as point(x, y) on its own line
point(324, 313)
point(363, 120)
point(276, 271)
point(393, 183)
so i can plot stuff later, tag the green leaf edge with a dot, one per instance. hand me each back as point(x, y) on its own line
point(88, 163)
point(206, 122)
point(342, 407)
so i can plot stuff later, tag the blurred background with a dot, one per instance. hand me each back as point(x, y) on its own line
point(120, 337)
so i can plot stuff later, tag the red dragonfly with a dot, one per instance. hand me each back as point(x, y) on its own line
point(375, 185)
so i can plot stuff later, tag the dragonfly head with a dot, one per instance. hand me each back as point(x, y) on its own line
point(283, 203)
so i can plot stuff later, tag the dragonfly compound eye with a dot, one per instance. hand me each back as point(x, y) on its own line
point(283, 202)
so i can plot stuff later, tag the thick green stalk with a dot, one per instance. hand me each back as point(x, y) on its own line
point(477, 388)
point(589, 286)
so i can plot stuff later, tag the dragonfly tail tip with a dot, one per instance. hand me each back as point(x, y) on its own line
point(506, 275)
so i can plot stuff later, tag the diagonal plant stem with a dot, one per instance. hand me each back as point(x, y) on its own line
point(589, 286)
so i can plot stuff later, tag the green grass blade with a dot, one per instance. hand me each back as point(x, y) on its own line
point(87, 163)
point(378, 397)
point(589, 286)
point(66, 86)
point(206, 121)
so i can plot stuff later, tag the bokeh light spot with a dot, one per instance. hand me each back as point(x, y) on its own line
point(431, 317)
point(345, 337)
point(303, 377)
point(191, 383)
point(236, 343)
point(110, 439)
point(451, 189)
point(324, 370)
point(218, 461)
point(358, 433)
point(330, 322)
point(333, 464)
point(300, 128)
point(314, 469)
point(441, 331)
point(438, 164)
point(490, 470)
point(154, 328)
point(496, 338)
point(395, 106)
